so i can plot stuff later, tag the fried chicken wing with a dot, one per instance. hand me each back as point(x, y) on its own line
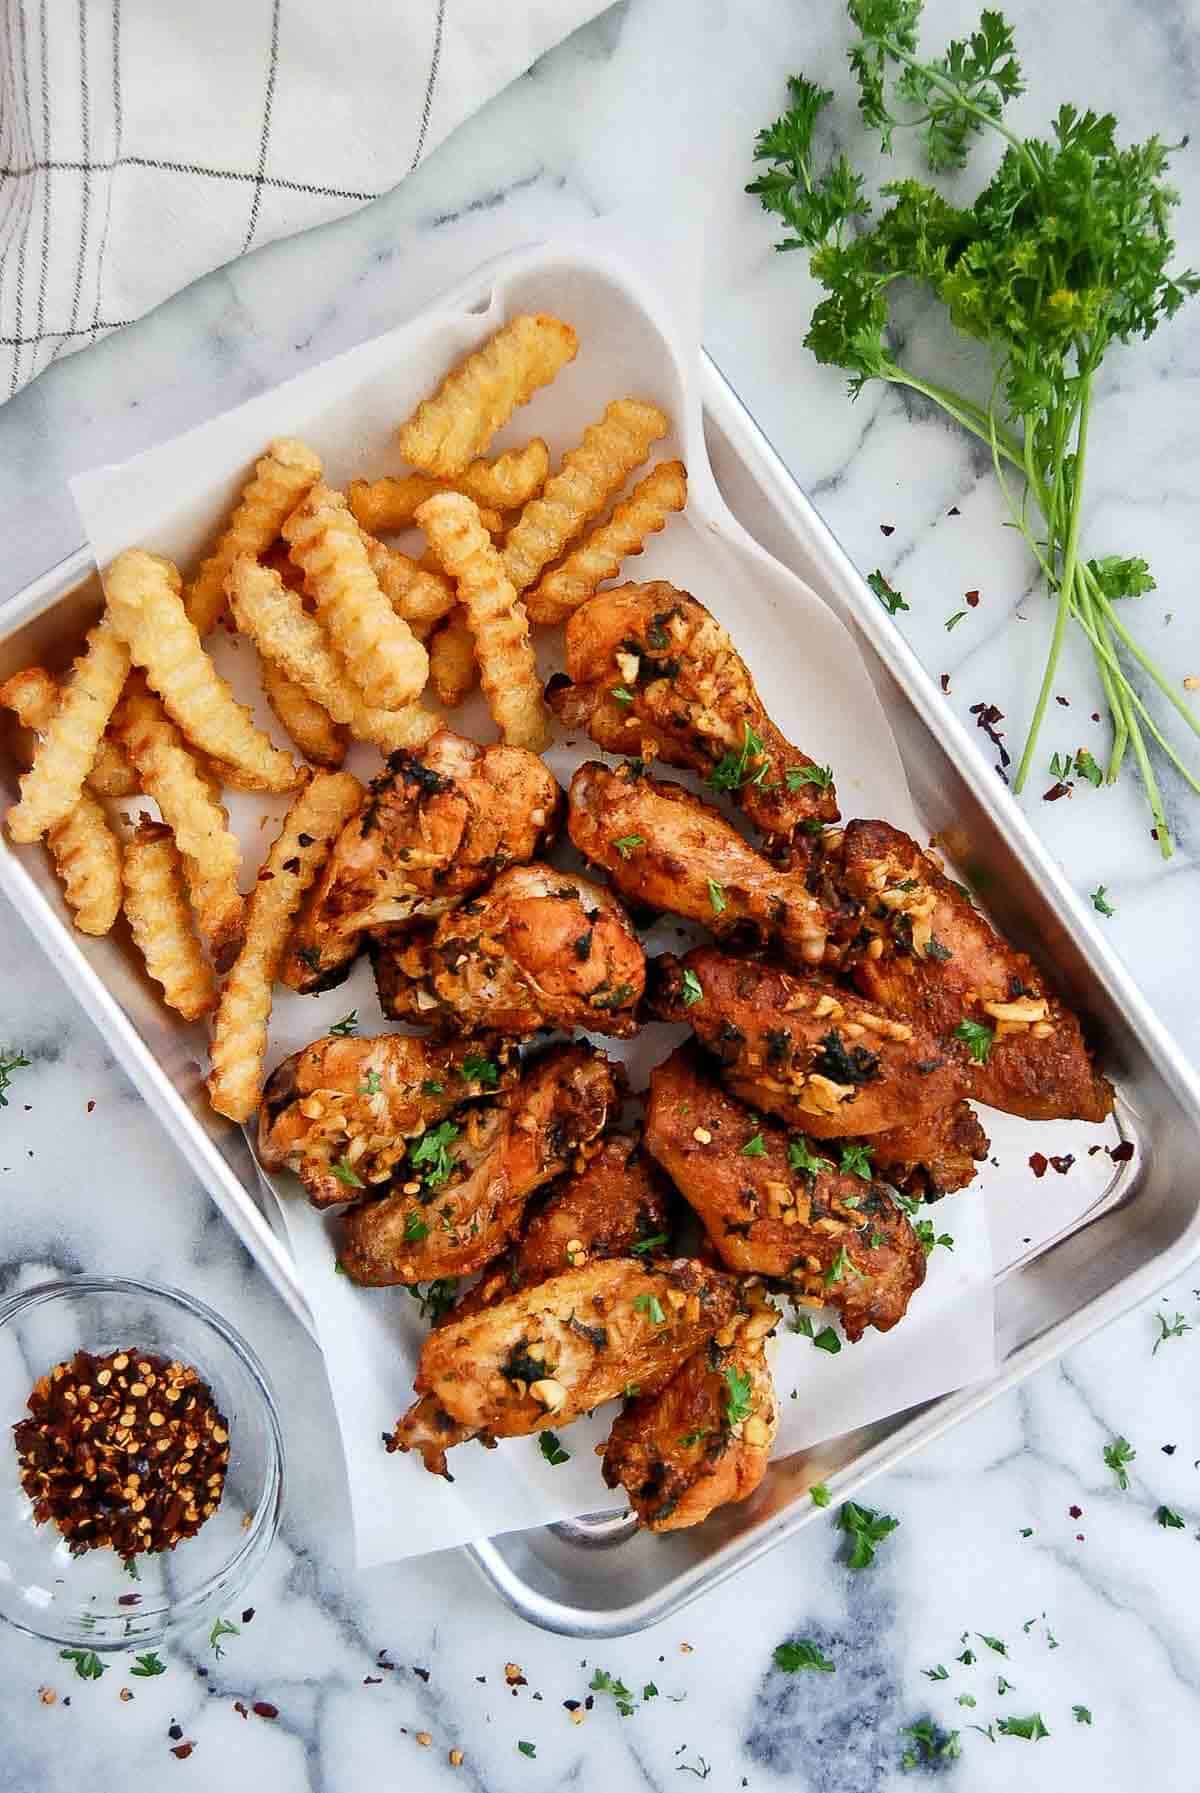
point(340, 1113)
point(704, 1439)
point(434, 827)
point(941, 963)
point(537, 948)
point(686, 697)
point(557, 1350)
point(466, 1182)
point(785, 1211)
point(618, 1201)
point(805, 1049)
point(935, 1155)
point(662, 846)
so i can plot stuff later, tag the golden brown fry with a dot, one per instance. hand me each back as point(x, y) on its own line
point(161, 924)
point(151, 618)
point(385, 506)
point(452, 670)
point(87, 857)
point(33, 697)
point(446, 432)
point(52, 786)
point(194, 814)
point(312, 728)
point(240, 1033)
point(590, 475)
point(422, 595)
point(507, 665)
point(382, 655)
point(274, 616)
point(281, 478)
point(599, 555)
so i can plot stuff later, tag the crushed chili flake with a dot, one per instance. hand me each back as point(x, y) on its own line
point(241, 1708)
point(1064, 701)
point(1039, 1164)
point(127, 1451)
point(986, 717)
point(1095, 715)
point(1168, 1450)
point(175, 1730)
point(247, 1615)
point(421, 1673)
point(954, 511)
point(887, 529)
point(265, 1709)
point(1075, 1512)
point(946, 683)
point(1123, 1153)
point(90, 1107)
point(972, 598)
point(372, 1680)
point(183, 1750)
point(1056, 791)
point(1063, 1162)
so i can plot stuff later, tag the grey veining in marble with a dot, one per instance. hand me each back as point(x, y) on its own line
point(655, 102)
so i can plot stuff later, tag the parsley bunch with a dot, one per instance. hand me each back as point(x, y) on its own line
point(1064, 252)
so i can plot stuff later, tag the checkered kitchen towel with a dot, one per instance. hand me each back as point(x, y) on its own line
point(144, 142)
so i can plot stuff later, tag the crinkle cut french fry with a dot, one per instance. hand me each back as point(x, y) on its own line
point(385, 506)
point(447, 431)
point(507, 664)
point(422, 595)
point(274, 617)
point(161, 922)
point(33, 697)
point(589, 476)
point(239, 1041)
point(452, 669)
point(281, 478)
point(383, 656)
point(87, 857)
point(150, 616)
point(598, 557)
point(311, 727)
point(51, 788)
point(195, 816)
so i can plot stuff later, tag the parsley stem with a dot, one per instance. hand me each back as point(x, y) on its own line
point(1065, 585)
point(960, 99)
point(1106, 666)
point(1104, 605)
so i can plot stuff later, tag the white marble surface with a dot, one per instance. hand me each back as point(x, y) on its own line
point(633, 108)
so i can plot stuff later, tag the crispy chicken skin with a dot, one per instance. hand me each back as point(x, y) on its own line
point(689, 700)
point(935, 1155)
point(941, 963)
point(537, 948)
point(664, 847)
point(617, 1200)
point(705, 1438)
point(459, 1206)
point(434, 827)
point(557, 1350)
point(356, 1103)
point(805, 1049)
point(834, 1237)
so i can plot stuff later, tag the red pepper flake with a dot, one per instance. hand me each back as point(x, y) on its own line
point(265, 877)
point(1092, 1150)
point(241, 1708)
point(175, 1730)
point(1064, 701)
point(422, 1674)
point(372, 1680)
point(1079, 1538)
point(183, 1751)
point(247, 1615)
point(1063, 1162)
point(1075, 1512)
point(1095, 715)
point(946, 683)
point(972, 598)
point(1038, 1163)
point(129, 1600)
point(986, 717)
point(1056, 791)
point(90, 1107)
point(1123, 1153)
point(265, 1709)
point(887, 529)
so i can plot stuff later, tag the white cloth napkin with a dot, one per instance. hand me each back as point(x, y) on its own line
point(143, 144)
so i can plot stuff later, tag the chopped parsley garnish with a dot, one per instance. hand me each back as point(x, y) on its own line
point(738, 1405)
point(733, 770)
point(801, 1158)
point(845, 1065)
point(1087, 768)
point(527, 1749)
point(856, 1162)
point(940, 1673)
point(691, 1438)
point(612, 999)
point(965, 1699)
point(827, 1340)
point(1082, 1715)
point(345, 1173)
point(649, 1691)
point(1169, 1519)
point(866, 1529)
point(936, 950)
point(651, 1244)
point(929, 1239)
point(148, 1665)
point(802, 1653)
point(552, 1450)
point(627, 842)
point(430, 1154)
point(755, 1147)
point(652, 1307)
point(88, 1665)
point(1003, 1686)
point(888, 596)
point(436, 1298)
point(929, 1744)
point(310, 956)
point(1175, 1330)
point(977, 1038)
point(603, 1682)
point(346, 1026)
point(993, 1643)
point(431, 1087)
point(1100, 902)
point(1117, 1456)
point(416, 1227)
point(952, 622)
point(967, 1657)
point(10, 1062)
point(691, 989)
point(1060, 766)
point(716, 897)
point(372, 1085)
point(798, 776)
point(1031, 1728)
point(839, 1268)
point(622, 694)
point(221, 1628)
point(484, 1071)
point(820, 1494)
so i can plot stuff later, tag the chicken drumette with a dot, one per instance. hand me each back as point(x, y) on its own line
point(538, 948)
point(934, 959)
point(341, 1112)
point(434, 827)
point(805, 1049)
point(704, 1439)
point(663, 847)
point(783, 1209)
point(651, 673)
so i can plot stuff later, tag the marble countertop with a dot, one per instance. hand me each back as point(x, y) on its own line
point(1011, 1526)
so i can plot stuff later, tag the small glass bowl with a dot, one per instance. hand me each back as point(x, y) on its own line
point(92, 1600)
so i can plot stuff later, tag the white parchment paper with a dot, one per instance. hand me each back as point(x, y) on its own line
point(633, 299)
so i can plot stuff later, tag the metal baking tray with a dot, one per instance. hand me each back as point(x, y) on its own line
point(1121, 1232)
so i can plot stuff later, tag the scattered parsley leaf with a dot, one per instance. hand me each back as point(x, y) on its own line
point(148, 1665)
point(940, 1673)
point(798, 776)
point(1175, 1330)
point(993, 1643)
point(1100, 902)
point(888, 596)
point(603, 1682)
point(738, 1405)
point(840, 1267)
point(551, 1449)
point(965, 1699)
point(649, 1691)
point(626, 843)
point(436, 1298)
point(1082, 1715)
point(372, 1085)
point(856, 1162)
point(651, 1244)
point(866, 1529)
point(652, 1307)
point(345, 1173)
point(755, 1147)
point(1087, 768)
point(10, 1062)
point(929, 1239)
point(801, 1157)
point(716, 897)
point(416, 1227)
point(1003, 1686)
point(1060, 766)
point(527, 1749)
point(484, 1071)
point(977, 1038)
point(828, 1340)
point(1117, 1456)
point(431, 1087)
point(346, 1026)
point(952, 622)
point(692, 989)
point(1031, 1728)
point(801, 1653)
point(929, 1744)
point(430, 1154)
point(820, 1494)
point(748, 766)
point(622, 694)
point(221, 1628)
point(88, 1665)
point(967, 1658)
point(1169, 1519)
